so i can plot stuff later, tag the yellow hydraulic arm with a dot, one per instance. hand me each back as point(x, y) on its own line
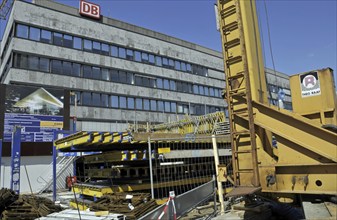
point(305, 158)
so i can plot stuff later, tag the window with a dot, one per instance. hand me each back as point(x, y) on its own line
point(122, 102)
point(105, 74)
point(96, 73)
point(96, 99)
point(153, 105)
point(114, 76)
point(158, 61)
point(171, 63)
point(114, 51)
point(66, 68)
point(146, 81)
point(96, 47)
point(139, 104)
point(87, 72)
point(45, 36)
point(122, 52)
point(76, 69)
point(68, 41)
point(204, 71)
point(177, 65)
point(216, 93)
point(86, 98)
point(33, 63)
point(129, 54)
point(145, 57)
point(22, 31)
point(159, 83)
point(34, 33)
point(211, 92)
point(77, 43)
point(146, 104)
point(151, 59)
point(183, 66)
point(57, 39)
point(180, 108)
point(114, 101)
point(167, 107)
point(160, 106)
point(138, 56)
point(87, 45)
point(122, 76)
point(131, 103)
point(165, 62)
point(201, 90)
point(78, 98)
point(179, 86)
point(173, 107)
point(129, 78)
point(152, 83)
point(44, 64)
point(172, 85)
point(206, 90)
point(138, 80)
point(105, 49)
point(195, 89)
point(104, 100)
point(56, 67)
point(21, 61)
point(166, 84)
point(188, 67)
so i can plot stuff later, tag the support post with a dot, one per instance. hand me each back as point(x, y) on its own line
point(16, 159)
point(150, 164)
point(216, 161)
point(54, 166)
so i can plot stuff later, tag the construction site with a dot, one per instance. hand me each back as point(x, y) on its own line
point(166, 154)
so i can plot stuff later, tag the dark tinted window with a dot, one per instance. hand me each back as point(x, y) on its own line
point(167, 107)
point(105, 74)
point(145, 57)
point(146, 104)
point(56, 67)
point(114, 76)
point(158, 61)
point(122, 76)
point(96, 99)
point(33, 63)
point(44, 64)
point(87, 72)
point(57, 39)
point(159, 83)
point(86, 98)
point(105, 100)
point(153, 105)
point(76, 69)
point(160, 106)
point(166, 84)
point(68, 41)
point(67, 68)
point(96, 72)
point(129, 54)
point(173, 107)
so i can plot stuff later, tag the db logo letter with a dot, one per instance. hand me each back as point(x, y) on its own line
point(90, 10)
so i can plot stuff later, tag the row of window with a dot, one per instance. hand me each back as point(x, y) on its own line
point(114, 75)
point(134, 103)
point(66, 40)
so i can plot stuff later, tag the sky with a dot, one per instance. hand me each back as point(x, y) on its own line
point(303, 32)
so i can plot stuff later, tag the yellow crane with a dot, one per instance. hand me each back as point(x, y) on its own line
point(305, 159)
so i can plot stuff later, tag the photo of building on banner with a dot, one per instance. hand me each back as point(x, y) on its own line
point(37, 110)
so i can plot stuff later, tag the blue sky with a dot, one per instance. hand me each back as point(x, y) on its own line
point(303, 32)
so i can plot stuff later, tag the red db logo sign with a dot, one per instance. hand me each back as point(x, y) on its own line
point(90, 10)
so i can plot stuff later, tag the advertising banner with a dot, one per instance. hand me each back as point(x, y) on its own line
point(38, 111)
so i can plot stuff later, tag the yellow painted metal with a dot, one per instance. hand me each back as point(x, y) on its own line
point(305, 158)
point(163, 150)
point(79, 205)
point(205, 124)
point(94, 191)
point(320, 106)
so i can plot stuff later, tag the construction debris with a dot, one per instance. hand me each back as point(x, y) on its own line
point(24, 207)
point(132, 205)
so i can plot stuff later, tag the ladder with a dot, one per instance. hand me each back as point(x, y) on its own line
point(239, 99)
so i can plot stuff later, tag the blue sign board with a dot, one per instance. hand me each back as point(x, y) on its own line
point(35, 128)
